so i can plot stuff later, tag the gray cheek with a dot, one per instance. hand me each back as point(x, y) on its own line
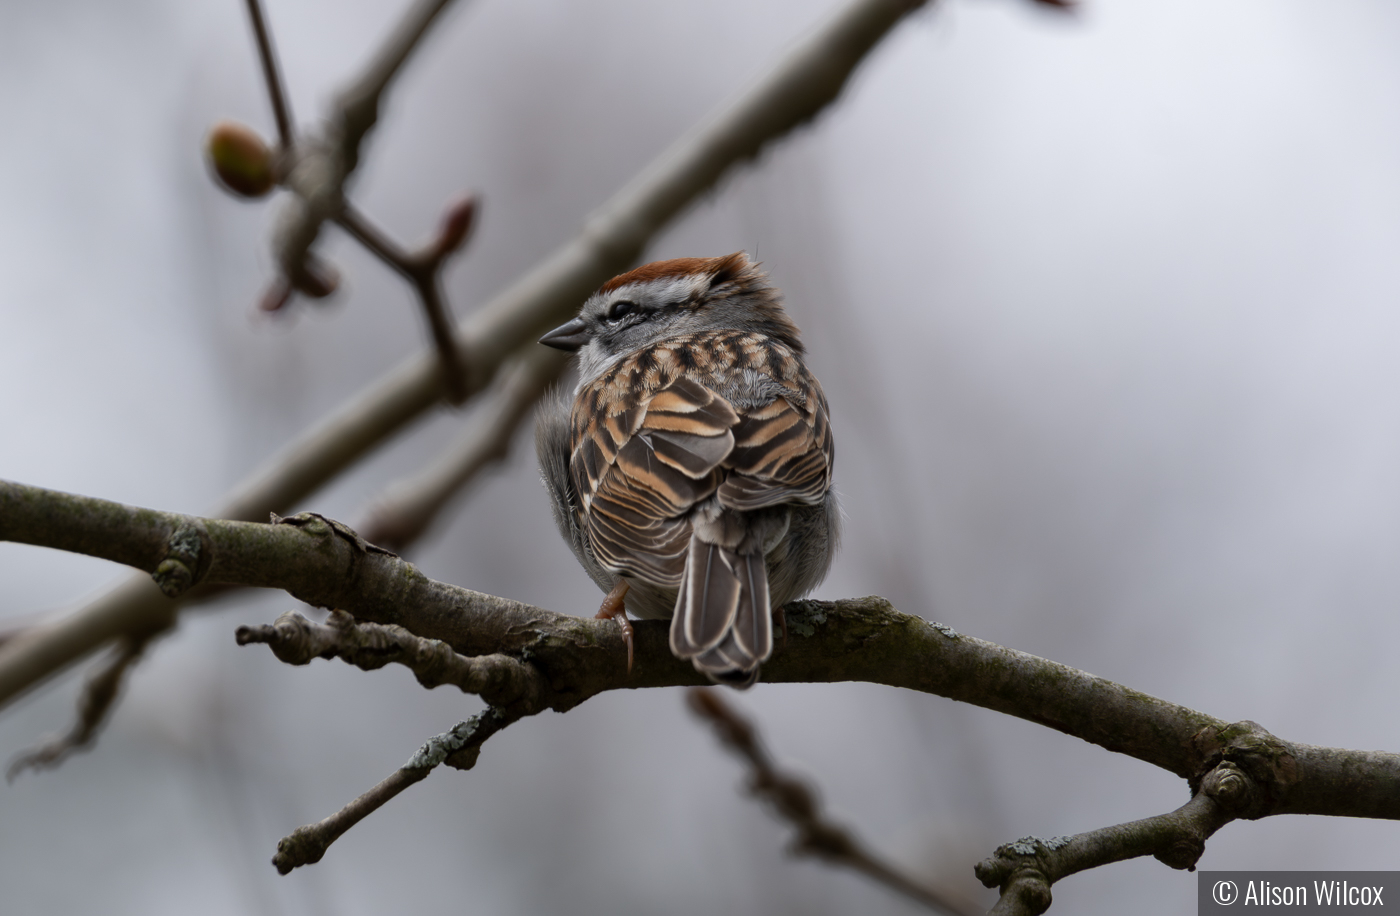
point(593, 360)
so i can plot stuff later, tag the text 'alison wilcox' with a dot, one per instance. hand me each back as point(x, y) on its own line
point(1320, 893)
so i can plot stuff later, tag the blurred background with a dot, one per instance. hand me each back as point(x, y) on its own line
point(1105, 306)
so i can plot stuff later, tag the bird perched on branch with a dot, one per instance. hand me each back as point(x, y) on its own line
point(691, 470)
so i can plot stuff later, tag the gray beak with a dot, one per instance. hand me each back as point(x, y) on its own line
point(567, 337)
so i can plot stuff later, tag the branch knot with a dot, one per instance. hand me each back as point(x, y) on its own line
point(186, 559)
point(1247, 770)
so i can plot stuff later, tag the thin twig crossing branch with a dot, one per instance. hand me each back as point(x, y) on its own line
point(272, 76)
point(796, 802)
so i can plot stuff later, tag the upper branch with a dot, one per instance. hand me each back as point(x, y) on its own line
point(357, 108)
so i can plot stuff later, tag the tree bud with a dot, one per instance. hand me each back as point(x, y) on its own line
point(240, 159)
point(456, 225)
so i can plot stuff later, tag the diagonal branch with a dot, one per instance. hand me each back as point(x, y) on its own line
point(401, 516)
point(98, 694)
point(796, 802)
point(357, 108)
point(810, 77)
point(459, 748)
point(296, 641)
point(409, 508)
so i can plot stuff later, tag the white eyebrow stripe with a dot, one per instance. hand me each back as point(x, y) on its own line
point(673, 289)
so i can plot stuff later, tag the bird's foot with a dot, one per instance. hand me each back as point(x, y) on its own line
point(614, 609)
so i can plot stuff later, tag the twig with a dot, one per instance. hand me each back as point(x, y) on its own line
point(370, 646)
point(410, 507)
point(796, 802)
point(321, 166)
point(318, 171)
point(1025, 870)
point(423, 269)
point(458, 748)
point(272, 75)
point(94, 702)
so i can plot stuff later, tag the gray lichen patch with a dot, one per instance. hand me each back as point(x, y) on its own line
point(1033, 845)
point(1025, 846)
point(945, 630)
point(435, 750)
point(803, 617)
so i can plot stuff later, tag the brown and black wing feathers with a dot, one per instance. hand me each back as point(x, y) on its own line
point(641, 468)
point(782, 454)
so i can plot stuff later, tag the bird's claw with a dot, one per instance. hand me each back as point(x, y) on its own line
point(614, 608)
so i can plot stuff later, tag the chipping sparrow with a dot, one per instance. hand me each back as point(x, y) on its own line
point(692, 476)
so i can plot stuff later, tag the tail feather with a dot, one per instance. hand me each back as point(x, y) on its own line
point(722, 620)
point(708, 599)
point(718, 667)
point(753, 623)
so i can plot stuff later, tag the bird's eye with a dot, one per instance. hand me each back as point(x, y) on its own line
point(620, 308)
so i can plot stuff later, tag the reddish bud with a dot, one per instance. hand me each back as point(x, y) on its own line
point(456, 225)
point(241, 161)
point(317, 279)
point(277, 294)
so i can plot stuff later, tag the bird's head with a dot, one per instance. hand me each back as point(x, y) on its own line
point(668, 298)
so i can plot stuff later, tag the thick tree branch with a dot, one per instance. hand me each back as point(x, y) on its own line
point(396, 521)
point(810, 77)
point(326, 564)
point(523, 660)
